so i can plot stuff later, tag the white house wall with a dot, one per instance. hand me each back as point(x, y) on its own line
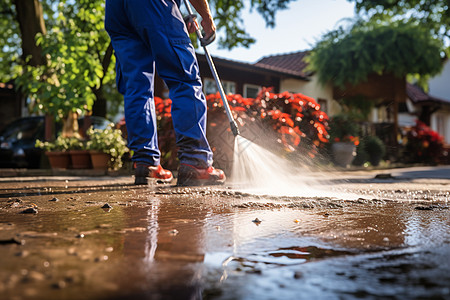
point(440, 122)
point(440, 88)
point(440, 85)
point(312, 89)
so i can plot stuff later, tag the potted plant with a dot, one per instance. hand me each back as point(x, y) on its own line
point(79, 155)
point(344, 150)
point(108, 146)
point(57, 152)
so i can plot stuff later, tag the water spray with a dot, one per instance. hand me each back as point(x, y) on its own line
point(204, 42)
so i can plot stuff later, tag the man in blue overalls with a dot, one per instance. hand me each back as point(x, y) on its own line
point(151, 33)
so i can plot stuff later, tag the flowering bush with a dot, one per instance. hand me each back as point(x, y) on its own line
point(298, 123)
point(423, 144)
point(296, 118)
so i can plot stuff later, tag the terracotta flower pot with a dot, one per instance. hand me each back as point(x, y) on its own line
point(58, 159)
point(81, 159)
point(343, 153)
point(100, 160)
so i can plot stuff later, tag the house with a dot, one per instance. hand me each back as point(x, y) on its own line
point(431, 110)
point(295, 63)
point(240, 78)
point(281, 72)
point(395, 105)
point(439, 87)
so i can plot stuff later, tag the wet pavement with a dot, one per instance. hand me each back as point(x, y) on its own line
point(383, 235)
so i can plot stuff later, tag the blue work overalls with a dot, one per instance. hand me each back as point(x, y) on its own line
point(145, 33)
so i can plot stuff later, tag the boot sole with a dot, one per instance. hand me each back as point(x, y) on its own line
point(145, 180)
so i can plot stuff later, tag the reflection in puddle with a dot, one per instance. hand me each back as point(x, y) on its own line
point(183, 246)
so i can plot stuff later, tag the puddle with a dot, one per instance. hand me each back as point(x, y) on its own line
point(187, 243)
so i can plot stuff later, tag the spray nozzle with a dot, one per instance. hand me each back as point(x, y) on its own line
point(234, 128)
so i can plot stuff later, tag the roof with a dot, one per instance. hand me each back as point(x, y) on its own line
point(256, 67)
point(291, 63)
point(418, 96)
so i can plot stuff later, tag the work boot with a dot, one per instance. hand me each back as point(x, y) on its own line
point(189, 175)
point(143, 172)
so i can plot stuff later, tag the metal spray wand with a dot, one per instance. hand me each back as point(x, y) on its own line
point(204, 43)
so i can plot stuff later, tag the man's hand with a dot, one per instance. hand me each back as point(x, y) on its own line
point(191, 23)
point(202, 7)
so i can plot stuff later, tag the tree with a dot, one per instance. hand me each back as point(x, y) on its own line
point(65, 68)
point(433, 14)
point(350, 56)
point(31, 10)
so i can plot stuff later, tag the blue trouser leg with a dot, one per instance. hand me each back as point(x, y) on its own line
point(144, 33)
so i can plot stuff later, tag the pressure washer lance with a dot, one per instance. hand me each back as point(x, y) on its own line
point(204, 42)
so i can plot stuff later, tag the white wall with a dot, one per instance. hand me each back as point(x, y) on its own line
point(312, 89)
point(440, 85)
point(440, 122)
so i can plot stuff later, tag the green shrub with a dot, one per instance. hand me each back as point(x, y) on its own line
point(60, 144)
point(375, 149)
point(109, 141)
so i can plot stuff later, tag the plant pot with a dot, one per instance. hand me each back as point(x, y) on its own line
point(100, 160)
point(81, 159)
point(58, 159)
point(343, 153)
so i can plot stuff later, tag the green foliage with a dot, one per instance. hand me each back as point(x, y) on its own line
point(432, 14)
point(357, 108)
point(76, 143)
point(75, 49)
point(109, 141)
point(349, 56)
point(362, 156)
point(370, 149)
point(9, 39)
point(374, 146)
point(60, 144)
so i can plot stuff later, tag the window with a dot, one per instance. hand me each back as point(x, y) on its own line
point(251, 90)
point(210, 86)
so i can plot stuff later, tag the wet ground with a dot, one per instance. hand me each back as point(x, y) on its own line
point(104, 238)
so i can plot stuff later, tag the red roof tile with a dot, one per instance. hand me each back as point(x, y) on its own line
point(417, 95)
point(292, 63)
